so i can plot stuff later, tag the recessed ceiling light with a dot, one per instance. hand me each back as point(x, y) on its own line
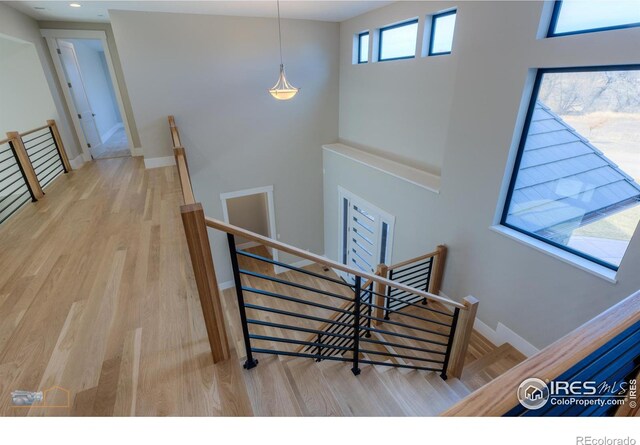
point(75, 5)
point(40, 8)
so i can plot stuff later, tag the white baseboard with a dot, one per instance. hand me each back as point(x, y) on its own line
point(110, 132)
point(166, 161)
point(77, 162)
point(226, 285)
point(502, 335)
point(247, 245)
point(137, 151)
point(299, 264)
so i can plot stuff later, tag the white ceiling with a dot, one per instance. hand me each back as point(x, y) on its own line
point(97, 11)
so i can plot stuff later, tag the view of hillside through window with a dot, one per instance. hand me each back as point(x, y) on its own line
point(578, 184)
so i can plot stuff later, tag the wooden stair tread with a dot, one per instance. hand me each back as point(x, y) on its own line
point(269, 390)
point(491, 365)
point(363, 395)
point(413, 393)
point(310, 388)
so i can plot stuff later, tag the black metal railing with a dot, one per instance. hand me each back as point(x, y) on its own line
point(416, 275)
point(334, 320)
point(44, 155)
point(14, 188)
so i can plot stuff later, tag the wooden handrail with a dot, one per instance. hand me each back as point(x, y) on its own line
point(183, 174)
point(26, 133)
point(4, 141)
point(25, 164)
point(413, 260)
point(175, 134)
point(206, 281)
point(59, 145)
point(335, 315)
point(500, 395)
point(228, 228)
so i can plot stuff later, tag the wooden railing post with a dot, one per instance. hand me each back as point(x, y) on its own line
point(59, 145)
point(198, 241)
point(438, 271)
point(382, 270)
point(25, 164)
point(462, 337)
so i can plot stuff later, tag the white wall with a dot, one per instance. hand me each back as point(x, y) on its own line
point(249, 212)
point(396, 108)
point(213, 73)
point(24, 92)
point(17, 25)
point(97, 83)
point(495, 49)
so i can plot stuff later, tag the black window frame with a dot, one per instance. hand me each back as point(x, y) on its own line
point(435, 17)
point(360, 35)
point(523, 139)
point(557, 6)
point(390, 27)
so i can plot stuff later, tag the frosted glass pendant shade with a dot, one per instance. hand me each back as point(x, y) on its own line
point(283, 90)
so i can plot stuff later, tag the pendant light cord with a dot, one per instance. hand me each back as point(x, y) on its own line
point(279, 32)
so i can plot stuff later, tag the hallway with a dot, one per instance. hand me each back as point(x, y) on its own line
point(116, 146)
point(96, 296)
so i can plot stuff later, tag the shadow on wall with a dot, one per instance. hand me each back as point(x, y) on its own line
point(26, 98)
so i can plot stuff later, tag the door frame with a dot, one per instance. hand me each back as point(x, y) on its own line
point(384, 217)
point(271, 215)
point(52, 36)
point(63, 43)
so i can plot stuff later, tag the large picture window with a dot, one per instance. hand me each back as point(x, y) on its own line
point(576, 182)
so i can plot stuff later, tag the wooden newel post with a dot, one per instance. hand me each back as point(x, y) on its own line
point(59, 145)
point(438, 271)
point(25, 164)
point(382, 271)
point(462, 336)
point(198, 240)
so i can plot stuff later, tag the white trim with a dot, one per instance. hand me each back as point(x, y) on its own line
point(247, 245)
point(273, 233)
point(137, 151)
point(560, 254)
point(226, 285)
point(299, 264)
point(407, 173)
point(165, 161)
point(501, 335)
point(247, 192)
point(107, 134)
point(302, 263)
point(51, 36)
point(77, 162)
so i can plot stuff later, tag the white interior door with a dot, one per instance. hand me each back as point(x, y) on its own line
point(78, 93)
point(367, 235)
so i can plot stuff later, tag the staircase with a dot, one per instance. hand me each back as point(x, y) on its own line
point(288, 385)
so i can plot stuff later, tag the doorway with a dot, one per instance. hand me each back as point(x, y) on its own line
point(85, 72)
point(366, 235)
point(253, 210)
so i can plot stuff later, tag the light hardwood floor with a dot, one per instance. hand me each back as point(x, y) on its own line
point(97, 297)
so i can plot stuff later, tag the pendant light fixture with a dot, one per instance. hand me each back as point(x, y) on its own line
point(282, 90)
